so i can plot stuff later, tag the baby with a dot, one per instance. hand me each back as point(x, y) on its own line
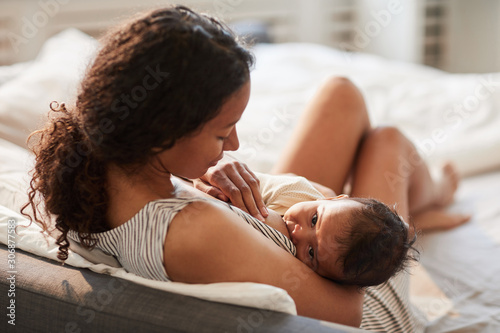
point(349, 240)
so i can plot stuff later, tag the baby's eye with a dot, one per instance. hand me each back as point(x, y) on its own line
point(311, 253)
point(314, 220)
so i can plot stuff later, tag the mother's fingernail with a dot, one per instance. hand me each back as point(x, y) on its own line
point(264, 211)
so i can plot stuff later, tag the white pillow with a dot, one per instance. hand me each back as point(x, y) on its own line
point(14, 179)
point(54, 75)
point(8, 73)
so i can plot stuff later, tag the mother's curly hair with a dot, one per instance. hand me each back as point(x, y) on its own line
point(154, 80)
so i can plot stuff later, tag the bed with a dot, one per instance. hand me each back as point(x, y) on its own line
point(454, 288)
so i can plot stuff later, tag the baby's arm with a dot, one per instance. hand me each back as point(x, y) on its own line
point(326, 191)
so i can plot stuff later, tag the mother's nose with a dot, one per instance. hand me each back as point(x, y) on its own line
point(232, 142)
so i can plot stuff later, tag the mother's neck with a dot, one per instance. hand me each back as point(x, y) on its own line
point(148, 180)
point(129, 192)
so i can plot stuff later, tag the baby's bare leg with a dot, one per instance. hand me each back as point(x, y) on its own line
point(323, 146)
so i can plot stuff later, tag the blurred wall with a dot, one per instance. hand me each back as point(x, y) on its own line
point(454, 35)
point(474, 38)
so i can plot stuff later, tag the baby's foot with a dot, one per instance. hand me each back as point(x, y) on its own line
point(446, 185)
point(438, 219)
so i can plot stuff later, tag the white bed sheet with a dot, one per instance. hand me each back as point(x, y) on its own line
point(457, 283)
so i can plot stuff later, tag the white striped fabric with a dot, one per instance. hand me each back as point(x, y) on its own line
point(277, 237)
point(138, 243)
point(386, 308)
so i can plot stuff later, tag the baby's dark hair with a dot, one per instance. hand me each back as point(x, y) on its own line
point(377, 246)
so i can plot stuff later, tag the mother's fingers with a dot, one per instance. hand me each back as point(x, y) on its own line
point(209, 189)
point(246, 193)
point(235, 180)
point(255, 186)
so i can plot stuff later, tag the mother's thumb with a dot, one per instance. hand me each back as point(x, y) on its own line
point(212, 191)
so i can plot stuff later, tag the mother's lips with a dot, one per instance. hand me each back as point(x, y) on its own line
point(214, 162)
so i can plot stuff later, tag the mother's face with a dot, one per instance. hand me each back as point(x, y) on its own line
point(192, 155)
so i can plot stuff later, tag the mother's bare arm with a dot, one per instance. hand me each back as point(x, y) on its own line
point(206, 243)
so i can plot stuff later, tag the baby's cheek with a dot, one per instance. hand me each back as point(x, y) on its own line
point(300, 254)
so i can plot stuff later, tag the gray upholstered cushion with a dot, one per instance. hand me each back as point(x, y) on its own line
point(50, 297)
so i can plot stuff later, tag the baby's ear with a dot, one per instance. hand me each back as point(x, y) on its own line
point(335, 198)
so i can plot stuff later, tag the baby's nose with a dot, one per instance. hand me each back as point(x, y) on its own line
point(296, 234)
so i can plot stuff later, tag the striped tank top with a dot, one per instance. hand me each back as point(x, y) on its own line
point(138, 243)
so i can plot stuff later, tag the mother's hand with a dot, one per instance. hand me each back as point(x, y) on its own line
point(232, 181)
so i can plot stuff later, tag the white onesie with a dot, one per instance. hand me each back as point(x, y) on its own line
point(280, 192)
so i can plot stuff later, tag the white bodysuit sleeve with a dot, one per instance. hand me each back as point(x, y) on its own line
point(280, 192)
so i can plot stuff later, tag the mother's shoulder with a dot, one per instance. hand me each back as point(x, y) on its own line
point(198, 210)
point(206, 241)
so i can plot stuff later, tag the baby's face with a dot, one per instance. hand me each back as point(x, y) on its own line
point(313, 227)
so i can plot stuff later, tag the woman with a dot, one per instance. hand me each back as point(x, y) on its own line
point(162, 98)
